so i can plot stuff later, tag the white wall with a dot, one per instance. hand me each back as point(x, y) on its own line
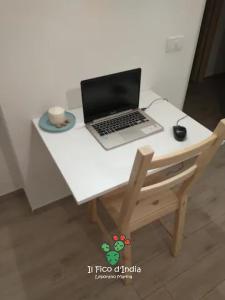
point(48, 46)
point(216, 63)
point(10, 179)
point(7, 184)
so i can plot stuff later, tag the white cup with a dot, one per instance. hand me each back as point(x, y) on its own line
point(56, 115)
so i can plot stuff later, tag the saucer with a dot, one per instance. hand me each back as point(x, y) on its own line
point(47, 126)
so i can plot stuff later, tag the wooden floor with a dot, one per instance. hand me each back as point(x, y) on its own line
point(44, 255)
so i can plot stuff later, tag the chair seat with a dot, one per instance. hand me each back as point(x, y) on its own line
point(146, 211)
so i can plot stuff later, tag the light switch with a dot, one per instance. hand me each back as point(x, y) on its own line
point(174, 43)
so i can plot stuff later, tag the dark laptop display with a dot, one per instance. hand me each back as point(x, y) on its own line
point(110, 94)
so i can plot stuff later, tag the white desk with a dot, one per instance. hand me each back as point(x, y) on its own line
point(90, 171)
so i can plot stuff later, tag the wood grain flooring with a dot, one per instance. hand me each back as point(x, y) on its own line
point(44, 254)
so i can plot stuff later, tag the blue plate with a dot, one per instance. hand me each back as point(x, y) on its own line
point(47, 126)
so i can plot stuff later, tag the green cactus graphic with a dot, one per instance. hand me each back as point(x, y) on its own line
point(113, 256)
point(105, 247)
point(119, 245)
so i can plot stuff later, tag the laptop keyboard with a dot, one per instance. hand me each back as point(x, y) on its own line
point(119, 123)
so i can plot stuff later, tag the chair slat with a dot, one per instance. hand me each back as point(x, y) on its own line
point(188, 152)
point(168, 183)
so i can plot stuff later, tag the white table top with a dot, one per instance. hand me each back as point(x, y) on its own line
point(90, 171)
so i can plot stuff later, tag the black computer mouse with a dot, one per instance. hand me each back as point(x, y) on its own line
point(179, 132)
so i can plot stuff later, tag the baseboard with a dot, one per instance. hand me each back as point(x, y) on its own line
point(216, 75)
point(19, 192)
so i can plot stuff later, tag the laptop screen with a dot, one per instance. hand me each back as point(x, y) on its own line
point(106, 95)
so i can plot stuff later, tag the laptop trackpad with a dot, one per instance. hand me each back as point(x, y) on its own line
point(131, 134)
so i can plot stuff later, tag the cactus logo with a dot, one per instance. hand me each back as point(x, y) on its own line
point(113, 255)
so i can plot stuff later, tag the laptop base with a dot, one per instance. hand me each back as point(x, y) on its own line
point(127, 135)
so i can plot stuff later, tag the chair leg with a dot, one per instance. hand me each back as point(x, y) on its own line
point(94, 218)
point(179, 226)
point(127, 260)
point(92, 211)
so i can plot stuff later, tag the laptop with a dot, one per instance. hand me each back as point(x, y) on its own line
point(110, 107)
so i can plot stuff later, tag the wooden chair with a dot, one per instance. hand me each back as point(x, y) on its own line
point(147, 198)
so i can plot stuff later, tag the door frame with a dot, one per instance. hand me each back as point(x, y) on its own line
point(207, 34)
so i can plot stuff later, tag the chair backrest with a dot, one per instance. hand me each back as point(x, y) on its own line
point(144, 161)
